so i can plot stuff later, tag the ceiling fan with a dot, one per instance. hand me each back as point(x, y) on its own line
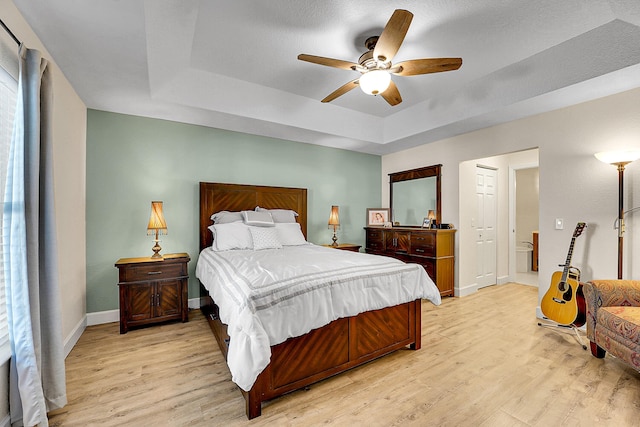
point(375, 64)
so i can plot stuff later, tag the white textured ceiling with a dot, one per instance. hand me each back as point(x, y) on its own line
point(232, 64)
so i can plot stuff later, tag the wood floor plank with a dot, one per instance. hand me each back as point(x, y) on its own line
point(484, 362)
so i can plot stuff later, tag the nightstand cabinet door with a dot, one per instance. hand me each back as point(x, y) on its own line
point(139, 301)
point(153, 290)
point(168, 298)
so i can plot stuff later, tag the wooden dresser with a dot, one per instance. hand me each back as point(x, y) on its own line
point(434, 249)
point(153, 290)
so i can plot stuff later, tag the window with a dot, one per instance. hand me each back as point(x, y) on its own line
point(8, 90)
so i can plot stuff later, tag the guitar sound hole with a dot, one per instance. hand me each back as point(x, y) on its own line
point(567, 295)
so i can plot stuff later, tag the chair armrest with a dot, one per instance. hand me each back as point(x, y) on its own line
point(616, 292)
point(607, 293)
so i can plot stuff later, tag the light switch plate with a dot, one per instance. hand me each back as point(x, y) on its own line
point(559, 224)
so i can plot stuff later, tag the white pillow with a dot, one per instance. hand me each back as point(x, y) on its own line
point(259, 219)
point(231, 236)
point(225, 217)
point(280, 215)
point(265, 238)
point(290, 234)
point(213, 243)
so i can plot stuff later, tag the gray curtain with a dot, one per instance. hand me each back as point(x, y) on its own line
point(37, 379)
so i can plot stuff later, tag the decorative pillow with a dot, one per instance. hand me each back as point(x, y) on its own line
point(280, 215)
point(225, 217)
point(231, 236)
point(259, 219)
point(265, 238)
point(290, 234)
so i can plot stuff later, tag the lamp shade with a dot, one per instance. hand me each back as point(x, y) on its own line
point(156, 220)
point(334, 218)
point(375, 82)
point(618, 157)
point(431, 214)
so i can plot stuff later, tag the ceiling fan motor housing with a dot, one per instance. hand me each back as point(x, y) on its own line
point(367, 61)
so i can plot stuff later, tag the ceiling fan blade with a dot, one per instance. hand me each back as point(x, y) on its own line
point(425, 66)
point(392, 36)
point(341, 90)
point(392, 94)
point(330, 62)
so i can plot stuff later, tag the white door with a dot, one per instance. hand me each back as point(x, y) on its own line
point(485, 226)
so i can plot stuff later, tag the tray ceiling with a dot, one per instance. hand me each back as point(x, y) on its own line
point(233, 64)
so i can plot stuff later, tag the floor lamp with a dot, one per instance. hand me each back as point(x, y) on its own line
point(619, 159)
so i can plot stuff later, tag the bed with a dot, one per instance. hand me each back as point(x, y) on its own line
point(299, 359)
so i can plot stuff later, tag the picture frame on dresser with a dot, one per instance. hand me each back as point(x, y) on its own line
point(378, 216)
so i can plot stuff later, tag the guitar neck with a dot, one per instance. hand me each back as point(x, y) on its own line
point(565, 270)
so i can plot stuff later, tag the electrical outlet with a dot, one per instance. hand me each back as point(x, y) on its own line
point(559, 224)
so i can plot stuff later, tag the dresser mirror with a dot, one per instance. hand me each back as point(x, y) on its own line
point(413, 194)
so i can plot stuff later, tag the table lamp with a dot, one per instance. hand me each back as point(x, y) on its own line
point(334, 221)
point(157, 224)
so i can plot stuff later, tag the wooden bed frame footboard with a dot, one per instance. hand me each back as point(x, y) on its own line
point(334, 348)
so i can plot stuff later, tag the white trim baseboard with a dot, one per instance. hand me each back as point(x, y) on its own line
point(100, 317)
point(502, 280)
point(194, 303)
point(75, 335)
point(109, 316)
point(467, 290)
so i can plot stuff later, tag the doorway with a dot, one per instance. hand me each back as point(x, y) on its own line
point(523, 223)
point(467, 253)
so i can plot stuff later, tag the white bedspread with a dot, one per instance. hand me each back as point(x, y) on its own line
point(268, 296)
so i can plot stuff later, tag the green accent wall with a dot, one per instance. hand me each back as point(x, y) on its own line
point(133, 160)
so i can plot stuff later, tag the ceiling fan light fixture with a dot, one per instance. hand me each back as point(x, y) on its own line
point(375, 82)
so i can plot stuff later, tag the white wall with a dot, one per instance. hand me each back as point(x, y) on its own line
point(69, 142)
point(574, 185)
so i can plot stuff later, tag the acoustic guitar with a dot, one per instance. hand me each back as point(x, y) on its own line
point(564, 301)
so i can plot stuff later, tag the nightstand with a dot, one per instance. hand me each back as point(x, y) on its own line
point(345, 247)
point(153, 290)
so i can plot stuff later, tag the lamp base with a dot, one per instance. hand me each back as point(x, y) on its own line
point(156, 251)
point(335, 239)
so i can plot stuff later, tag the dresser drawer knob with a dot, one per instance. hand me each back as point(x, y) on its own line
point(420, 250)
point(154, 272)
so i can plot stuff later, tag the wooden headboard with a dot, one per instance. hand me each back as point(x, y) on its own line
point(215, 197)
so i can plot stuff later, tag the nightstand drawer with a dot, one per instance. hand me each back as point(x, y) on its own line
point(155, 271)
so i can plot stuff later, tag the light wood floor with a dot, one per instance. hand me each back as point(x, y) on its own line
point(484, 362)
